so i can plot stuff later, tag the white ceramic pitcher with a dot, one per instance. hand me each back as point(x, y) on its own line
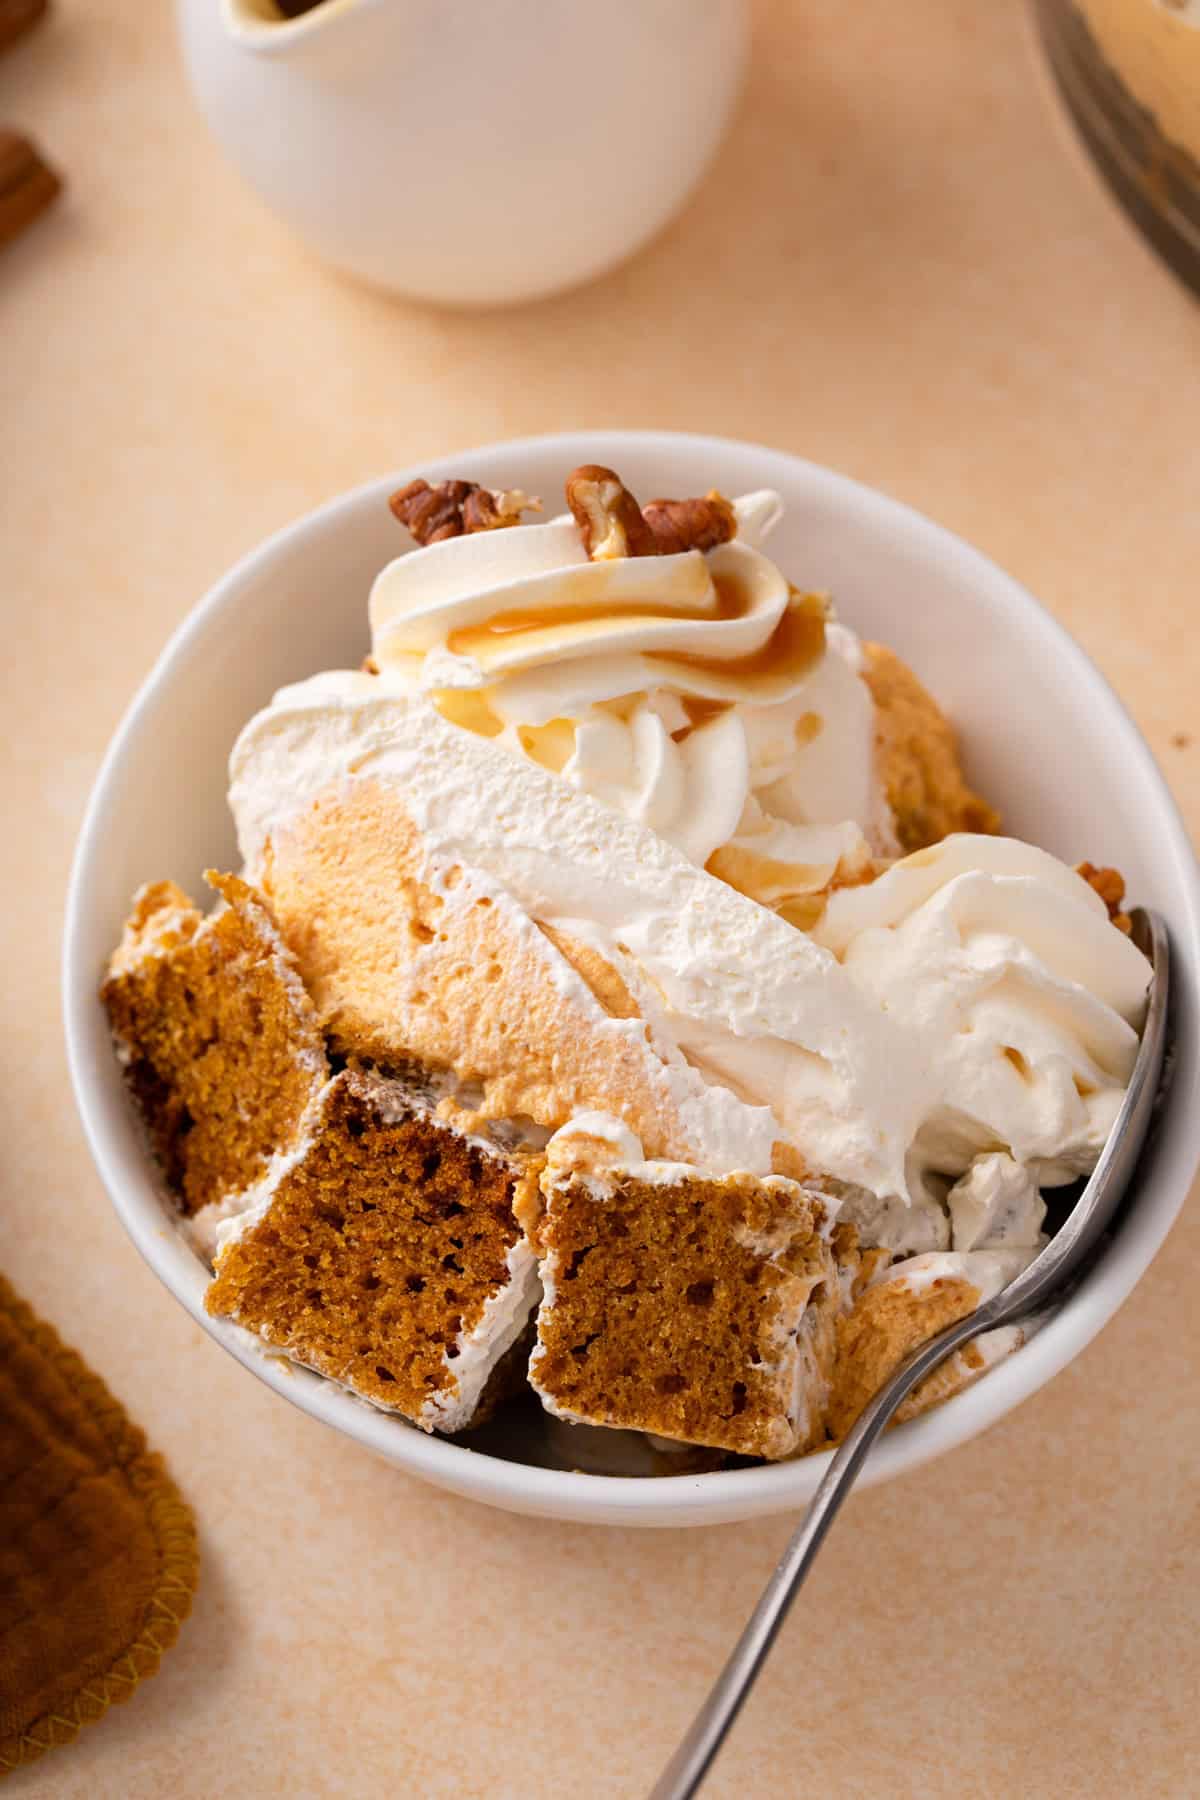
point(469, 151)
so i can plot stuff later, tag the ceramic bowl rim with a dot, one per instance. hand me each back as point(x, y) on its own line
point(703, 1498)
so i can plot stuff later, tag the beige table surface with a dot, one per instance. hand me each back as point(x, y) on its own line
point(898, 267)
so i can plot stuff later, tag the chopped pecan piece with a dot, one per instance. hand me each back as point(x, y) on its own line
point(1110, 885)
point(690, 524)
point(455, 508)
point(612, 524)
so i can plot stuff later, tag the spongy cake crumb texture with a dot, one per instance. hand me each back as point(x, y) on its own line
point(679, 1307)
point(218, 1040)
point(918, 757)
point(379, 1250)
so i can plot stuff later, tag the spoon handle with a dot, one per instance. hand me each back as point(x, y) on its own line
point(687, 1768)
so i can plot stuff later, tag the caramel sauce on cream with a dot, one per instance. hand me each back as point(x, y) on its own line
point(582, 618)
point(470, 708)
point(794, 646)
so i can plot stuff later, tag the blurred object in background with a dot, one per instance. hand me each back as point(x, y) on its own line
point(472, 155)
point(27, 184)
point(16, 18)
point(1129, 71)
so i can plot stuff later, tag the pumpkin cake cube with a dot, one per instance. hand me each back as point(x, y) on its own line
point(387, 1256)
point(217, 1038)
point(695, 1307)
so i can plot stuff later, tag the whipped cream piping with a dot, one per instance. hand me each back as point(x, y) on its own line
point(1004, 963)
point(699, 694)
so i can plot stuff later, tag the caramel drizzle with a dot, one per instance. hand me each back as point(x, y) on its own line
point(792, 649)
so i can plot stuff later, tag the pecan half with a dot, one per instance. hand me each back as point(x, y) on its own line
point(1110, 885)
point(609, 518)
point(457, 508)
point(612, 524)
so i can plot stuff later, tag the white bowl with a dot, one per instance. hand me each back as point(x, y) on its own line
point(1045, 737)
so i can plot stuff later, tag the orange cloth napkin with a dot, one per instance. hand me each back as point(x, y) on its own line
point(98, 1559)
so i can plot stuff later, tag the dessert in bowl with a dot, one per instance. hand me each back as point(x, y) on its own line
point(625, 998)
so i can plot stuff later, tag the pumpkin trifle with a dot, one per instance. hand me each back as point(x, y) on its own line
point(623, 994)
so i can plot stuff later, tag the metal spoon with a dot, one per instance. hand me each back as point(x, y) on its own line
point(1060, 1264)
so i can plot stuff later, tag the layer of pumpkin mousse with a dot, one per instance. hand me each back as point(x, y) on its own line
point(536, 1023)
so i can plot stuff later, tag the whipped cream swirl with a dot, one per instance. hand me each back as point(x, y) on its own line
point(698, 694)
